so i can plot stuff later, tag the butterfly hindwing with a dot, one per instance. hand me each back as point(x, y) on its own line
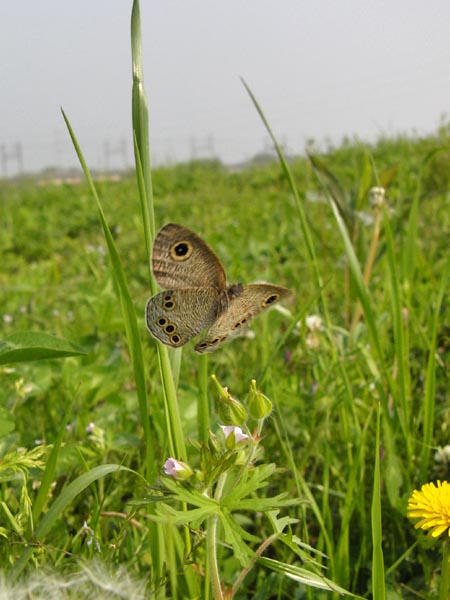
point(244, 303)
point(176, 316)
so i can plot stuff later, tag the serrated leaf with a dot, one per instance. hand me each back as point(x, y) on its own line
point(29, 345)
point(167, 514)
point(261, 504)
point(279, 524)
point(193, 497)
point(252, 480)
point(234, 535)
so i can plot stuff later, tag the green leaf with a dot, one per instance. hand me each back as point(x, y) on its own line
point(29, 345)
point(128, 312)
point(62, 501)
point(50, 468)
point(378, 571)
point(234, 535)
point(334, 187)
point(303, 576)
point(253, 479)
point(167, 514)
point(262, 504)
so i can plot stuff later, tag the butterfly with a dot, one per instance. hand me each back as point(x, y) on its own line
point(196, 293)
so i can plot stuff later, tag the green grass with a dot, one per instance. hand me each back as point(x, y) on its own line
point(56, 279)
point(359, 407)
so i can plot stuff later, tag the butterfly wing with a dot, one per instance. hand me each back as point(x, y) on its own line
point(182, 260)
point(176, 316)
point(244, 303)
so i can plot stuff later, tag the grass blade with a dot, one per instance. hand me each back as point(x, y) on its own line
point(143, 170)
point(129, 314)
point(64, 499)
point(378, 575)
point(50, 468)
point(430, 380)
point(303, 221)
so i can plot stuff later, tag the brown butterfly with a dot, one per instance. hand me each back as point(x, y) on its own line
point(197, 295)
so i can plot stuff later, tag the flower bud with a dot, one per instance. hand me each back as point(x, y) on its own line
point(259, 405)
point(177, 469)
point(231, 410)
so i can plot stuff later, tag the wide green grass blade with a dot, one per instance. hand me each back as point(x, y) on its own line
point(50, 468)
point(362, 291)
point(303, 576)
point(401, 350)
point(60, 504)
point(30, 345)
point(299, 205)
point(128, 312)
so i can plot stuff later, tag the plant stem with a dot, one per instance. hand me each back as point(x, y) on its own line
point(444, 592)
point(211, 544)
point(212, 557)
point(369, 264)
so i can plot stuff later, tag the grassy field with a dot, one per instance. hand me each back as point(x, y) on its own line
point(340, 396)
point(326, 383)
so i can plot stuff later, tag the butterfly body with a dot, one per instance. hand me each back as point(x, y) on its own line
point(197, 296)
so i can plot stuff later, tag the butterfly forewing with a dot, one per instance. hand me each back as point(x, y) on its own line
point(244, 303)
point(182, 260)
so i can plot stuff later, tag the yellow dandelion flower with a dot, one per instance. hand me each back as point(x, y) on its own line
point(432, 505)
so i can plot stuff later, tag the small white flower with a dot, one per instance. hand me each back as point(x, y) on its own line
point(312, 341)
point(177, 468)
point(90, 532)
point(8, 318)
point(239, 435)
point(442, 454)
point(314, 323)
point(377, 196)
point(90, 428)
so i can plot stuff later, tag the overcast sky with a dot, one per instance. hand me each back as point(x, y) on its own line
point(321, 69)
